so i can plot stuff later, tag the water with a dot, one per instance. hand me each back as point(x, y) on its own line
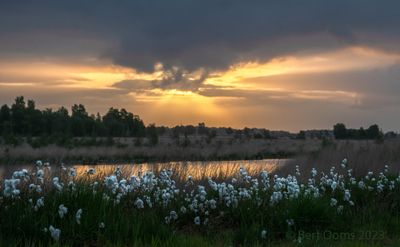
point(197, 169)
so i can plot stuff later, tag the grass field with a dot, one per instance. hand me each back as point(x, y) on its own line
point(39, 208)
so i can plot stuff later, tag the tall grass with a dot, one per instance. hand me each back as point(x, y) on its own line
point(233, 212)
point(164, 151)
point(363, 156)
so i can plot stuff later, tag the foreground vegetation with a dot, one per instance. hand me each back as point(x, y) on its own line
point(57, 207)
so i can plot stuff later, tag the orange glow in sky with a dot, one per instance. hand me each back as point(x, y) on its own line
point(218, 99)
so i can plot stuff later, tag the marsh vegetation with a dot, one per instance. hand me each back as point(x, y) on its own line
point(65, 206)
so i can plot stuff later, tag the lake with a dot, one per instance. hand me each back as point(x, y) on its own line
point(197, 169)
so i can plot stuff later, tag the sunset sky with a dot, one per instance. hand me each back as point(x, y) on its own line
point(286, 65)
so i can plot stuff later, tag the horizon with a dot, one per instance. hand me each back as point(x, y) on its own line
point(271, 65)
point(187, 124)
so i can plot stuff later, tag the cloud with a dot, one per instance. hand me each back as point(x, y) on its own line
point(44, 80)
point(174, 78)
point(186, 44)
point(380, 84)
point(208, 34)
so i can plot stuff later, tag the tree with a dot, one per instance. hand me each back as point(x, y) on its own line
point(267, 134)
point(18, 116)
point(5, 120)
point(189, 130)
point(81, 123)
point(138, 130)
point(362, 134)
point(25, 120)
point(340, 131)
point(301, 135)
point(34, 119)
point(113, 123)
point(373, 132)
point(61, 122)
point(123, 123)
point(229, 131)
point(152, 135)
point(202, 129)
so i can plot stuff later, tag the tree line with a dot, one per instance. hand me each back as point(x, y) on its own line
point(24, 119)
point(373, 132)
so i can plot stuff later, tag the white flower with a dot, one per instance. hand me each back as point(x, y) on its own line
point(118, 171)
point(139, 203)
point(386, 168)
point(173, 215)
point(78, 216)
point(190, 180)
point(361, 185)
point(90, 171)
point(349, 172)
point(297, 171)
point(32, 187)
point(21, 174)
point(63, 167)
point(290, 222)
point(10, 187)
point(197, 220)
point(72, 172)
point(39, 163)
point(347, 195)
point(264, 234)
point(55, 233)
point(111, 182)
point(57, 184)
point(213, 204)
point(183, 209)
point(102, 225)
point(276, 197)
point(62, 210)
point(314, 172)
point(380, 187)
point(334, 185)
point(344, 163)
point(40, 174)
point(333, 202)
point(340, 209)
point(39, 203)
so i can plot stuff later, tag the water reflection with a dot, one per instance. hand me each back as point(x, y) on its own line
point(218, 170)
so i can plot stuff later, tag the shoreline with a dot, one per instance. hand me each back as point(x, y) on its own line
point(142, 159)
point(162, 152)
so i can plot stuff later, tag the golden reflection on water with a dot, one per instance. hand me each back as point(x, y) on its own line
point(199, 170)
point(181, 170)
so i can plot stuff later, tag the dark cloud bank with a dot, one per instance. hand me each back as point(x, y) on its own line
point(188, 34)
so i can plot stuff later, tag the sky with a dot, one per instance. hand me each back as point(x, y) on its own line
point(281, 65)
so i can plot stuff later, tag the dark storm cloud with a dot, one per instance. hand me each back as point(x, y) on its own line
point(192, 34)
